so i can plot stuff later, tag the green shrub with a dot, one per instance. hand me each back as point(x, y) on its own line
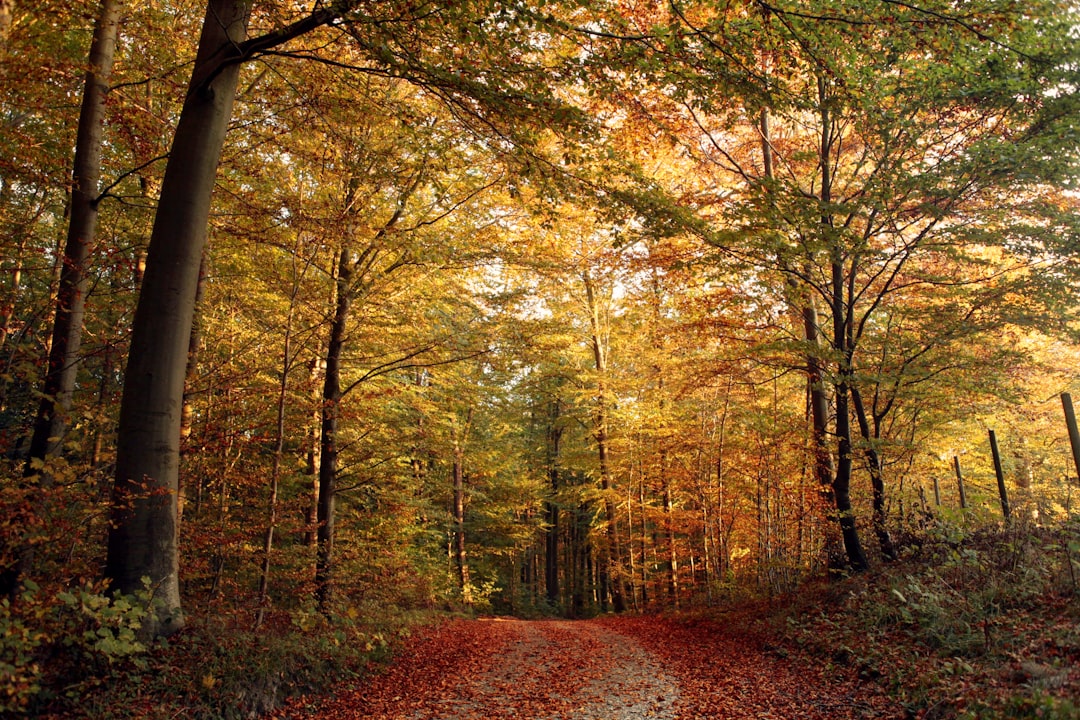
point(88, 636)
point(1022, 706)
point(104, 626)
point(20, 671)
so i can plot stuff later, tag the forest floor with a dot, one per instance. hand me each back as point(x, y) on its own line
point(614, 668)
point(980, 625)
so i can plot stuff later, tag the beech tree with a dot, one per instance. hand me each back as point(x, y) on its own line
point(143, 541)
point(52, 422)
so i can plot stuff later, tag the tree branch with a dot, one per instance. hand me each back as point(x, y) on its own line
point(105, 193)
point(252, 47)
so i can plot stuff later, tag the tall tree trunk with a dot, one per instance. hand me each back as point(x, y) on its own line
point(275, 468)
point(187, 412)
point(819, 402)
point(644, 541)
point(631, 556)
point(842, 321)
point(7, 312)
point(351, 272)
point(842, 482)
point(669, 532)
point(611, 560)
point(314, 451)
point(723, 560)
point(108, 364)
point(143, 538)
point(612, 555)
point(551, 509)
point(51, 423)
point(194, 344)
point(877, 477)
point(461, 564)
point(331, 414)
point(824, 470)
point(578, 549)
point(665, 481)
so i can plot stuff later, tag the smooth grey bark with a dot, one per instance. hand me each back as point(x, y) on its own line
point(51, 423)
point(143, 535)
point(187, 413)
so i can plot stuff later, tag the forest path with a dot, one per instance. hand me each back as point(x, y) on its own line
point(606, 669)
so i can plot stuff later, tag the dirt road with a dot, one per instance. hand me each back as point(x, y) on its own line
point(614, 669)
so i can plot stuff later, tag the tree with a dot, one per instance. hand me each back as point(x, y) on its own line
point(50, 426)
point(551, 506)
point(51, 423)
point(357, 270)
point(874, 159)
point(143, 539)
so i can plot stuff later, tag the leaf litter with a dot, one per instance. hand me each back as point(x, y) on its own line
point(614, 668)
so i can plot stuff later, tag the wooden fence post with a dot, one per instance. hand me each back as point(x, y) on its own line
point(937, 492)
point(1002, 492)
point(960, 482)
point(1074, 435)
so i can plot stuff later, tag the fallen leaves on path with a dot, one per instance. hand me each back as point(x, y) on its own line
point(726, 671)
point(608, 669)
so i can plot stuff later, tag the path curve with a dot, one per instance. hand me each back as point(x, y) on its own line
point(611, 669)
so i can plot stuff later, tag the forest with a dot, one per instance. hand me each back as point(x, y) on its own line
point(323, 318)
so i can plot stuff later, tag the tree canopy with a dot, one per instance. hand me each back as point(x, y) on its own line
point(541, 306)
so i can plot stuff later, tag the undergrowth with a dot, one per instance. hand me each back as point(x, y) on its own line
point(84, 659)
point(966, 625)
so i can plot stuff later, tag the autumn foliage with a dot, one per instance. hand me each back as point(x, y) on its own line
point(321, 321)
